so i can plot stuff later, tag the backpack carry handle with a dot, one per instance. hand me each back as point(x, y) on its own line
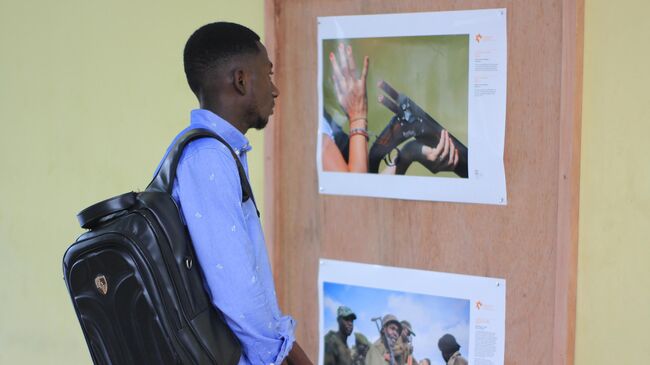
point(164, 179)
point(94, 214)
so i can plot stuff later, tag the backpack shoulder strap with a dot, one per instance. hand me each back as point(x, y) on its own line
point(163, 181)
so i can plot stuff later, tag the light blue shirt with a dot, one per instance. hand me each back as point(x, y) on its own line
point(229, 242)
point(325, 128)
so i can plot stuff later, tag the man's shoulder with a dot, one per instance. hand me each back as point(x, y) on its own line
point(332, 337)
point(206, 147)
point(202, 162)
point(208, 153)
point(378, 345)
point(457, 359)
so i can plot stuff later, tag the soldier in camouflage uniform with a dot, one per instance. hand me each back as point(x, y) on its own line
point(382, 351)
point(404, 346)
point(360, 349)
point(337, 351)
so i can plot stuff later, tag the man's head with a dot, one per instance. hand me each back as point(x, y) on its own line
point(448, 346)
point(391, 327)
point(361, 343)
point(229, 70)
point(407, 330)
point(345, 317)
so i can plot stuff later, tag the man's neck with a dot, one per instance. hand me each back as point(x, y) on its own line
point(343, 337)
point(226, 113)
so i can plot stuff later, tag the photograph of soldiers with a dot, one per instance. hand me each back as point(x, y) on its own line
point(383, 350)
point(404, 346)
point(450, 350)
point(337, 351)
point(360, 349)
point(371, 324)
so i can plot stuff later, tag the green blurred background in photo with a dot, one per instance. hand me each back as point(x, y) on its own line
point(431, 70)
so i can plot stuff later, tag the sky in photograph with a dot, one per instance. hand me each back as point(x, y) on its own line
point(430, 316)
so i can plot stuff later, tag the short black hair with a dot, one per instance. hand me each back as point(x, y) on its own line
point(212, 45)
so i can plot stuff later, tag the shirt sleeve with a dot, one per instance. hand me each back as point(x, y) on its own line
point(210, 196)
point(325, 128)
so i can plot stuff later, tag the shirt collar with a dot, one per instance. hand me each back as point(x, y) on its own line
point(202, 118)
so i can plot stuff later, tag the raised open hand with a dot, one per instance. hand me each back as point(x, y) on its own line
point(350, 90)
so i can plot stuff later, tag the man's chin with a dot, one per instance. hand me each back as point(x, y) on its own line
point(261, 124)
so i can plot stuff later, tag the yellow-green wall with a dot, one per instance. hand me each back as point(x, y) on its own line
point(82, 80)
point(613, 312)
point(91, 93)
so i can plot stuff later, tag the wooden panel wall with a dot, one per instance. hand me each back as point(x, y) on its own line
point(531, 242)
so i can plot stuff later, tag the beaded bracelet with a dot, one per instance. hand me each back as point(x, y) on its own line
point(359, 131)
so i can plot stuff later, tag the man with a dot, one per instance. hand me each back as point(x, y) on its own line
point(382, 352)
point(229, 71)
point(404, 345)
point(360, 349)
point(450, 350)
point(336, 343)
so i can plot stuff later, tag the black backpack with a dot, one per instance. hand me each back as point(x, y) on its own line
point(135, 283)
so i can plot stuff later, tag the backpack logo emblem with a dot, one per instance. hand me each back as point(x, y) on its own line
point(101, 284)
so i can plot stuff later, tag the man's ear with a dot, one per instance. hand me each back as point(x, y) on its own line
point(240, 81)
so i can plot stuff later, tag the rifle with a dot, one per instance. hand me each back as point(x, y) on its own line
point(384, 339)
point(409, 121)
